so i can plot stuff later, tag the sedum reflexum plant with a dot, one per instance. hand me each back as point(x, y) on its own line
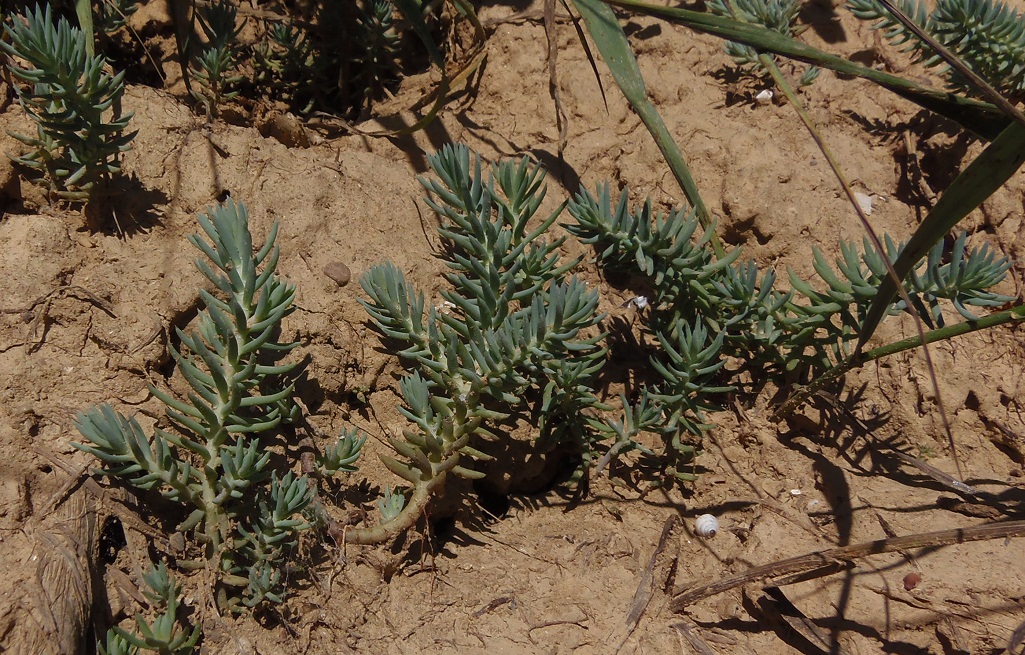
point(165, 635)
point(215, 69)
point(215, 459)
point(286, 64)
point(374, 64)
point(111, 15)
point(777, 15)
point(705, 311)
point(514, 335)
point(70, 97)
point(987, 35)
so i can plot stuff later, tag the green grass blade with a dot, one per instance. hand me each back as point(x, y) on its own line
point(183, 16)
point(615, 49)
point(995, 165)
point(84, 11)
point(982, 118)
point(413, 12)
point(1013, 315)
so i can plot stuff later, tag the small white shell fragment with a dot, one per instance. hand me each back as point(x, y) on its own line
point(640, 302)
point(864, 201)
point(706, 526)
point(764, 97)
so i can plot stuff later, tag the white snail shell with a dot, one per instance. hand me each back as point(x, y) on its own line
point(706, 526)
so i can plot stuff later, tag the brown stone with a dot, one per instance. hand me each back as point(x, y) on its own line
point(911, 580)
point(338, 272)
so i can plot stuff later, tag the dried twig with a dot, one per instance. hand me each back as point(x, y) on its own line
point(780, 610)
point(691, 636)
point(829, 560)
point(644, 589)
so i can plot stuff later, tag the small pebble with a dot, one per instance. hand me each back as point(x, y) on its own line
point(338, 272)
point(911, 581)
point(177, 543)
point(864, 201)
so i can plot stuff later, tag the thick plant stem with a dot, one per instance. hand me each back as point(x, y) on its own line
point(861, 358)
point(406, 519)
point(431, 483)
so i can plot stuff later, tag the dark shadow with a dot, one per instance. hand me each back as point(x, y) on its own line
point(868, 57)
point(135, 205)
point(940, 164)
point(136, 53)
point(461, 529)
point(833, 485)
point(821, 16)
point(773, 614)
point(949, 647)
point(435, 131)
point(340, 492)
point(639, 32)
point(126, 207)
point(516, 5)
point(933, 165)
point(179, 321)
point(112, 540)
point(625, 352)
point(776, 608)
point(869, 455)
point(559, 169)
point(493, 503)
point(740, 87)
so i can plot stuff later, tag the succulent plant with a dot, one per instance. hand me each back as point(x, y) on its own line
point(214, 459)
point(214, 68)
point(512, 327)
point(988, 35)
point(705, 310)
point(71, 98)
point(165, 635)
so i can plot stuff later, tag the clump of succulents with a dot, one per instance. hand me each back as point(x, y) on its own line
point(215, 456)
point(75, 104)
point(987, 35)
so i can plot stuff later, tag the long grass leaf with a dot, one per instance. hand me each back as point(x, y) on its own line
point(413, 12)
point(982, 118)
point(183, 15)
point(84, 11)
point(995, 165)
point(981, 85)
point(615, 49)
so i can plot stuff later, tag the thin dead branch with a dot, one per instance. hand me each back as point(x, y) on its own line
point(690, 635)
point(830, 560)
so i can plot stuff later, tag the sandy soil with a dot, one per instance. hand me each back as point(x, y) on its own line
point(85, 318)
